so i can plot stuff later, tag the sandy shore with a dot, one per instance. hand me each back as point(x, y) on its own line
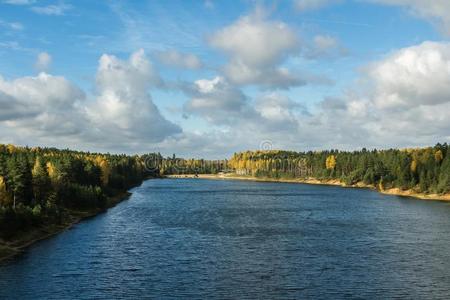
point(393, 191)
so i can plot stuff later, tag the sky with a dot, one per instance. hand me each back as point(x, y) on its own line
point(209, 78)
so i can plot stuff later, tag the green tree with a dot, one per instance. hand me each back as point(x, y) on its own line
point(41, 181)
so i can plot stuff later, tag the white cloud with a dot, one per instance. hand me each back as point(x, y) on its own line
point(257, 47)
point(401, 100)
point(179, 60)
point(124, 105)
point(255, 41)
point(216, 100)
point(43, 61)
point(39, 93)
point(277, 113)
point(52, 10)
point(121, 116)
point(45, 105)
point(221, 104)
point(276, 107)
point(307, 5)
point(436, 11)
point(418, 75)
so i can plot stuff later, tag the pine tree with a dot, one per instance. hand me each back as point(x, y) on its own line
point(41, 181)
point(15, 180)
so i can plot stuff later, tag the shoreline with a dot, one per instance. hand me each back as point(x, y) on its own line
point(16, 246)
point(334, 182)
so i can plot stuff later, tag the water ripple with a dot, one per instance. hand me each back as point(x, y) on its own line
point(228, 239)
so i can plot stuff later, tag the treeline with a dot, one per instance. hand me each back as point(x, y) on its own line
point(175, 165)
point(425, 170)
point(42, 185)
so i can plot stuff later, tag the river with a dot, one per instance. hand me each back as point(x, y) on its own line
point(195, 238)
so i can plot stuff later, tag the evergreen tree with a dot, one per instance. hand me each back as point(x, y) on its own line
point(41, 181)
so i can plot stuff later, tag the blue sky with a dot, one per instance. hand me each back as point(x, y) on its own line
point(331, 48)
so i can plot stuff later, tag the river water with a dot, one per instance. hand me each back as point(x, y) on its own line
point(192, 238)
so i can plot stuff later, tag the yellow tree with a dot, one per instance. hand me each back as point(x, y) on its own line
point(52, 173)
point(438, 156)
point(330, 162)
point(104, 166)
point(4, 197)
point(413, 166)
point(11, 148)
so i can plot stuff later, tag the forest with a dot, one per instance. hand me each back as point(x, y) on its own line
point(41, 186)
point(175, 165)
point(424, 170)
point(44, 186)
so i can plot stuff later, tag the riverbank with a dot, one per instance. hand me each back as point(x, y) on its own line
point(336, 182)
point(25, 239)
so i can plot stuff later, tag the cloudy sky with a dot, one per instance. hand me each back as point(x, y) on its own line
point(209, 78)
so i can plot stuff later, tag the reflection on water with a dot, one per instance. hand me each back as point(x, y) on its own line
point(229, 239)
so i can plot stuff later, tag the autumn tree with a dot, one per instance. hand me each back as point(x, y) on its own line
point(330, 162)
point(105, 168)
point(5, 199)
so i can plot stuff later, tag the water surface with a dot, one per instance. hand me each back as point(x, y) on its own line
point(193, 239)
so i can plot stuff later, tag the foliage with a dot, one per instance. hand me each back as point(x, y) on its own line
point(42, 185)
point(39, 185)
point(175, 165)
point(425, 170)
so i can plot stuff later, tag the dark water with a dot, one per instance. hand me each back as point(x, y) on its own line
point(231, 239)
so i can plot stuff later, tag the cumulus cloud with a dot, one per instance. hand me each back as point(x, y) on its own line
point(180, 60)
point(45, 105)
point(120, 116)
point(216, 100)
point(124, 105)
point(44, 90)
point(401, 100)
point(43, 61)
point(307, 5)
point(277, 107)
point(404, 100)
point(278, 113)
point(256, 41)
point(220, 103)
point(226, 106)
point(436, 11)
point(12, 109)
point(256, 48)
point(418, 75)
